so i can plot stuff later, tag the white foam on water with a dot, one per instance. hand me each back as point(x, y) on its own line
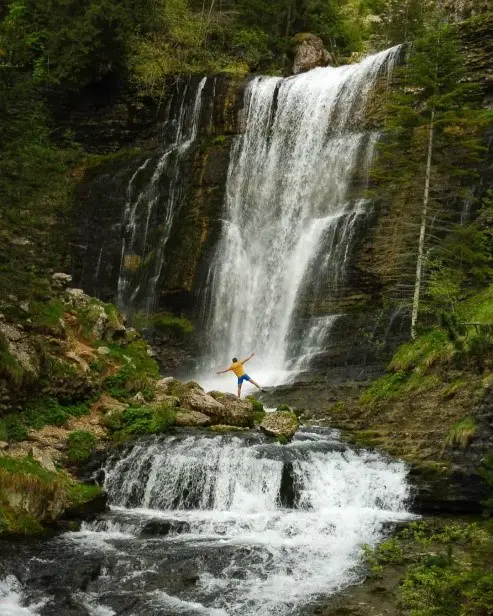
point(13, 602)
point(227, 492)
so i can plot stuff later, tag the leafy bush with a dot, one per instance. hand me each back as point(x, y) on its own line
point(80, 445)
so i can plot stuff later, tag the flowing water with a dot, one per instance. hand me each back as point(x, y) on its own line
point(291, 211)
point(154, 196)
point(216, 525)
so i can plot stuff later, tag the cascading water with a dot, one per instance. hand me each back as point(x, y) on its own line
point(144, 235)
point(219, 526)
point(290, 213)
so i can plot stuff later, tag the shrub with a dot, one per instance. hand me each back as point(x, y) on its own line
point(144, 420)
point(80, 445)
point(15, 428)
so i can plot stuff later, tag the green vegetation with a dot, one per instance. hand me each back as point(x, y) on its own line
point(44, 493)
point(10, 368)
point(447, 571)
point(37, 414)
point(80, 445)
point(136, 374)
point(136, 421)
point(177, 327)
point(461, 433)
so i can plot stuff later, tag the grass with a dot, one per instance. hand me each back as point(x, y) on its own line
point(422, 353)
point(37, 414)
point(387, 387)
point(46, 315)
point(164, 322)
point(461, 434)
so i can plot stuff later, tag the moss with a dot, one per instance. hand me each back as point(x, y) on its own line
point(178, 327)
point(284, 407)
point(282, 440)
point(367, 438)
point(80, 445)
point(258, 416)
point(114, 320)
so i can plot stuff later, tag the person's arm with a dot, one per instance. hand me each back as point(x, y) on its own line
point(247, 358)
point(223, 371)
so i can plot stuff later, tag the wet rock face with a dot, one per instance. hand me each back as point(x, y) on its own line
point(309, 53)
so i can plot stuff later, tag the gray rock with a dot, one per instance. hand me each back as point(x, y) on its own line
point(3, 445)
point(138, 399)
point(310, 53)
point(103, 350)
point(163, 386)
point(44, 459)
point(197, 400)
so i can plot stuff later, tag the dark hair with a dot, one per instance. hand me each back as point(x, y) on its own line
point(235, 359)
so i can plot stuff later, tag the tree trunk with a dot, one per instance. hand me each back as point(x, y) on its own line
point(422, 232)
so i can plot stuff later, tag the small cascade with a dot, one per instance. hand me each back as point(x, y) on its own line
point(294, 203)
point(154, 196)
point(214, 525)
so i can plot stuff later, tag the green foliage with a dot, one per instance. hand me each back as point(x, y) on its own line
point(177, 327)
point(80, 445)
point(26, 466)
point(423, 352)
point(386, 553)
point(37, 414)
point(136, 421)
point(137, 372)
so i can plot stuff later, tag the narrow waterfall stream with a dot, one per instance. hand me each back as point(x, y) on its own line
point(291, 212)
point(215, 525)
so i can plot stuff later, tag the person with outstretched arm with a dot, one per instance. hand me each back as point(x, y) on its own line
point(237, 368)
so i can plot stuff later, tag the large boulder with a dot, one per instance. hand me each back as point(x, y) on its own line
point(238, 412)
point(280, 424)
point(198, 400)
point(192, 419)
point(309, 53)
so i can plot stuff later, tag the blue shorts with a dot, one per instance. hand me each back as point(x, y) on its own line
point(245, 377)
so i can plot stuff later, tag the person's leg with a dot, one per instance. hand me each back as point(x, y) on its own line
point(256, 384)
point(239, 387)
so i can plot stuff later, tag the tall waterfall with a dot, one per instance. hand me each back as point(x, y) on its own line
point(290, 214)
point(151, 208)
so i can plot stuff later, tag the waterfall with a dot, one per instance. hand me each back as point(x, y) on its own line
point(291, 212)
point(151, 208)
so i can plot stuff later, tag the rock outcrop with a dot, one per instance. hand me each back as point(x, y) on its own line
point(309, 53)
point(280, 424)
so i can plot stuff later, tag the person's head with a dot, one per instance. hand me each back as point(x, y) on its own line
point(235, 359)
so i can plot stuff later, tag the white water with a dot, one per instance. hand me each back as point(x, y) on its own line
point(290, 217)
point(12, 602)
point(227, 492)
point(137, 289)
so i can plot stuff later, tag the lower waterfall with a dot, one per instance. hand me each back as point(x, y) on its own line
point(218, 525)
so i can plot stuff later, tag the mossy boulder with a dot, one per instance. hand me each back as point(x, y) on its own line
point(280, 424)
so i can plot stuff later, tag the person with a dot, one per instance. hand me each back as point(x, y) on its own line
point(239, 370)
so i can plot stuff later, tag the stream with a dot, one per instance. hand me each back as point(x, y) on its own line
point(219, 525)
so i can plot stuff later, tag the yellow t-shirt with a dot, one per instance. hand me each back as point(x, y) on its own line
point(237, 368)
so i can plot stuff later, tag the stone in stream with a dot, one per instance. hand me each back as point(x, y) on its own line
point(281, 424)
point(164, 527)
